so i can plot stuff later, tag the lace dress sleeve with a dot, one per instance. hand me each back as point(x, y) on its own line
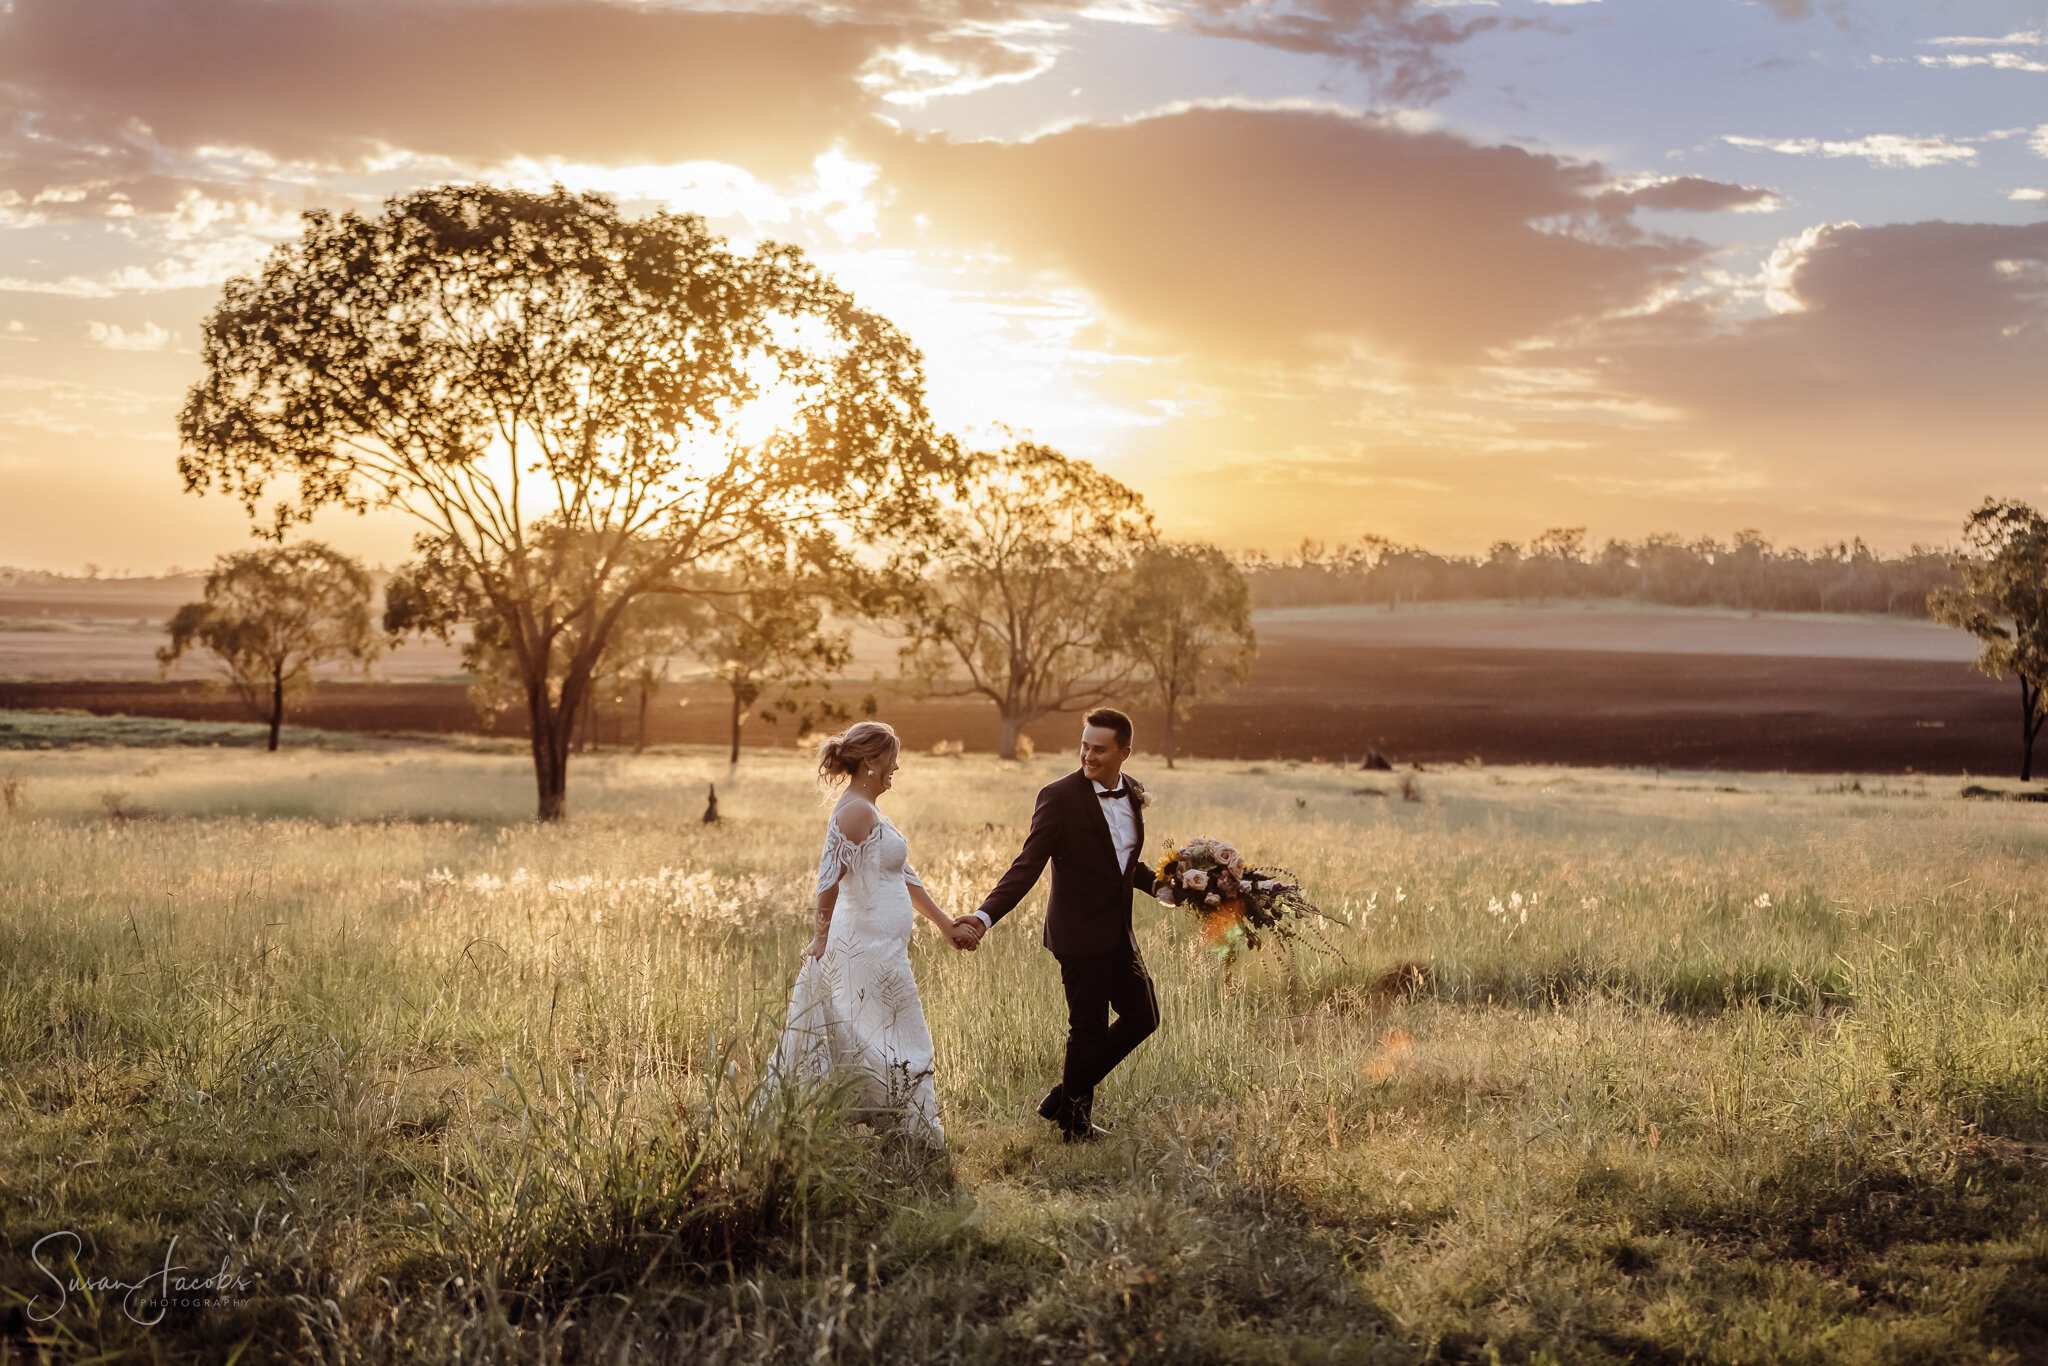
point(841, 854)
point(833, 862)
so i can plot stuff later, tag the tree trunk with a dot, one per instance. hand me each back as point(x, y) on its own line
point(276, 704)
point(1170, 709)
point(550, 731)
point(2030, 726)
point(739, 714)
point(1006, 743)
point(640, 742)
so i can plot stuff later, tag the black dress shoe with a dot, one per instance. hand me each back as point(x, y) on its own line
point(1055, 1106)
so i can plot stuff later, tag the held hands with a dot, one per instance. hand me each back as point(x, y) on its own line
point(966, 933)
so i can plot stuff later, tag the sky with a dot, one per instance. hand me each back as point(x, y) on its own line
point(1294, 269)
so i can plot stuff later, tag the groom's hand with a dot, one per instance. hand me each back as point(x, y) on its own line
point(968, 932)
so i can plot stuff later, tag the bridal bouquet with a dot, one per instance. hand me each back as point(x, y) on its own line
point(1236, 903)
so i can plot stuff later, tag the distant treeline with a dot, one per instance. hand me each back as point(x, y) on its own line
point(1747, 573)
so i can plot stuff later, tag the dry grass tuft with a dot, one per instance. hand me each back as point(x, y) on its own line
point(1613, 1067)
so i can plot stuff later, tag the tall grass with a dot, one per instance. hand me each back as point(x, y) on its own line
point(1612, 1066)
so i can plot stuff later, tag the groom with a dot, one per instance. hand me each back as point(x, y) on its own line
point(1091, 826)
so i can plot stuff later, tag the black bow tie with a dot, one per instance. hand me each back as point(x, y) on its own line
point(1113, 792)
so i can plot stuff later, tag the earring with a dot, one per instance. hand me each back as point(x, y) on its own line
point(871, 773)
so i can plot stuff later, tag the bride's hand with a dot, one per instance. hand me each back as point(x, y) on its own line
point(965, 933)
point(816, 948)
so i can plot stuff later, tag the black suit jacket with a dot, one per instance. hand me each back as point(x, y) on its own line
point(1090, 909)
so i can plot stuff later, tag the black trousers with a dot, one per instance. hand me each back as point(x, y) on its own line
point(1095, 985)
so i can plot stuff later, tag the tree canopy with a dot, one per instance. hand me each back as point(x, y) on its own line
point(1012, 590)
point(2003, 601)
point(576, 407)
point(268, 616)
point(1185, 615)
point(765, 631)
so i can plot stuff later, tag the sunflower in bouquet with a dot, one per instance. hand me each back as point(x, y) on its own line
point(1238, 905)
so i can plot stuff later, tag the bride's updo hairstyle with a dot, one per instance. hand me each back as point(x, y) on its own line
point(847, 753)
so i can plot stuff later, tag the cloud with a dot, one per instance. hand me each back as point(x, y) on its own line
point(1795, 10)
point(1932, 329)
point(102, 398)
point(2024, 38)
point(114, 337)
point(1879, 149)
point(129, 96)
point(1242, 230)
point(2003, 61)
point(1695, 194)
point(123, 107)
point(1400, 44)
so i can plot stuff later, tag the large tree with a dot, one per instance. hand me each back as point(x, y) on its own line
point(437, 595)
point(269, 616)
point(1010, 597)
point(2003, 601)
point(1185, 615)
point(578, 408)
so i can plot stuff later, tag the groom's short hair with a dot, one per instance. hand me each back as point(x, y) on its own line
point(1109, 718)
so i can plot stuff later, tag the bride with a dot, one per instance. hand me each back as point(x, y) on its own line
point(855, 1010)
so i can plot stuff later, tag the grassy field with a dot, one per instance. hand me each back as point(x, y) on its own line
point(1613, 1067)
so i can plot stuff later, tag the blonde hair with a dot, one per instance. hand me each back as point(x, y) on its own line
point(841, 756)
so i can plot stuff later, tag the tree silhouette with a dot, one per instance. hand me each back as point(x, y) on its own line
point(270, 615)
point(1015, 585)
point(1185, 614)
point(434, 595)
point(1748, 573)
point(654, 632)
point(766, 631)
point(2003, 601)
point(578, 408)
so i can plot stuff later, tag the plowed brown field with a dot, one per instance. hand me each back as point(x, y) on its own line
point(1335, 698)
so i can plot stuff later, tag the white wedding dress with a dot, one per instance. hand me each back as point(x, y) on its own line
point(855, 1010)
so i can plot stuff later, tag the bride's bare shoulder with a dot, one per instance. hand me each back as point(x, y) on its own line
point(855, 819)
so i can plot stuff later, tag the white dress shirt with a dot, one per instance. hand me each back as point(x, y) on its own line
point(1123, 830)
point(1123, 824)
